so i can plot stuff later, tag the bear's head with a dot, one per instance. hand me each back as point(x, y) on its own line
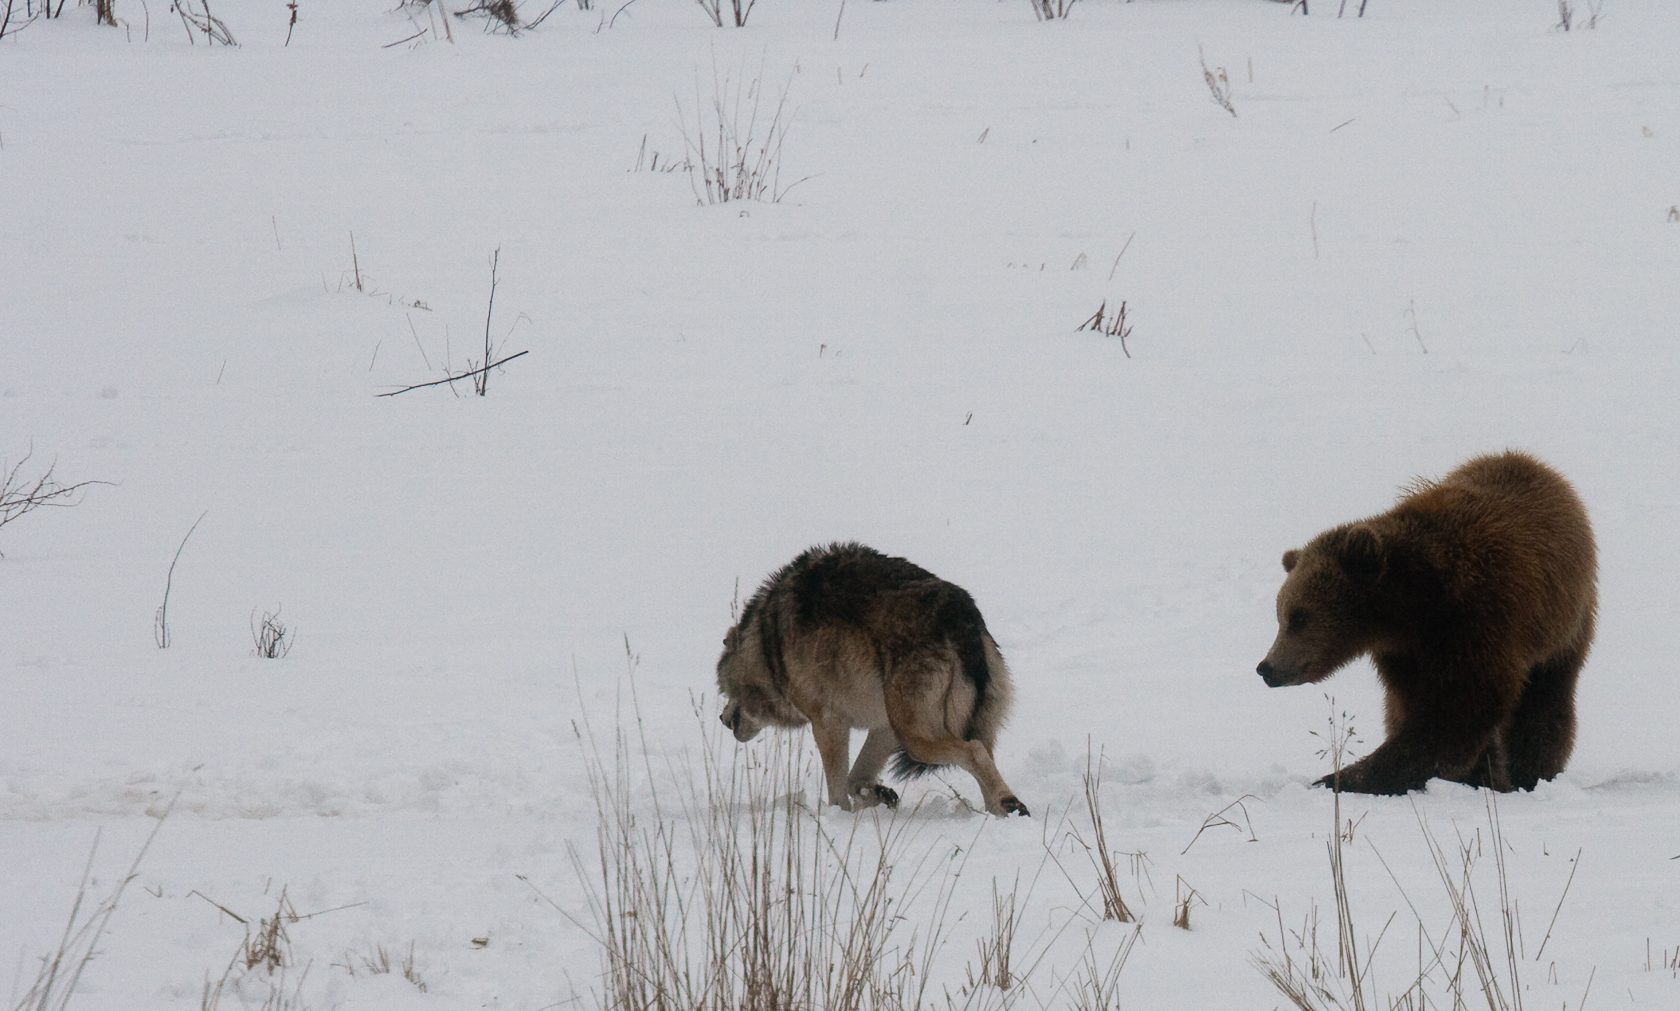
point(752, 700)
point(1324, 607)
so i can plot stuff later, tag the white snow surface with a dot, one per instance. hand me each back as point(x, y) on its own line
point(1441, 229)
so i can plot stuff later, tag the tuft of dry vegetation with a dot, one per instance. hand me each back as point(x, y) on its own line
point(741, 896)
point(735, 152)
point(1114, 325)
point(21, 495)
point(738, 11)
point(1101, 857)
point(715, 885)
point(1218, 82)
point(378, 963)
point(1050, 10)
point(500, 16)
point(271, 638)
point(199, 21)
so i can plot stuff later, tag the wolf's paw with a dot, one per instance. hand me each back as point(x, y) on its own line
point(870, 794)
point(1012, 805)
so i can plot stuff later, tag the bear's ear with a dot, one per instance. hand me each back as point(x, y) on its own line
point(1290, 557)
point(1361, 552)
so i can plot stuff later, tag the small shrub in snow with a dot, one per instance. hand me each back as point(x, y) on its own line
point(272, 638)
point(736, 155)
point(738, 11)
point(1568, 15)
point(199, 21)
point(1110, 325)
point(1050, 10)
point(11, 21)
point(21, 495)
point(499, 16)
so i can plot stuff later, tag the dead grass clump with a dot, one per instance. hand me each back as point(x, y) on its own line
point(1050, 10)
point(740, 896)
point(736, 144)
point(500, 16)
point(738, 11)
point(272, 638)
point(378, 963)
point(1111, 326)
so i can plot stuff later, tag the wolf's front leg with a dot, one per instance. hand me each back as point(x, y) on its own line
point(864, 785)
point(834, 740)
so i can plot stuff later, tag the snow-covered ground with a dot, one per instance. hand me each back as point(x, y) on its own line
point(1442, 229)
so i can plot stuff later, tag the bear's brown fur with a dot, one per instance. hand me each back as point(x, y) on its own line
point(1475, 597)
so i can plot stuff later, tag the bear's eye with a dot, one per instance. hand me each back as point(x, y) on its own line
point(1298, 619)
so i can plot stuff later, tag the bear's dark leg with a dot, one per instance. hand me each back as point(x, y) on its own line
point(1542, 731)
point(1445, 733)
point(1490, 769)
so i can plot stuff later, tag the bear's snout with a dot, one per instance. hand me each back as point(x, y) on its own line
point(1268, 674)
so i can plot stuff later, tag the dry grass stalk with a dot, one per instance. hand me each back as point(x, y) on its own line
point(1102, 859)
point(59, 973)
point(1097, 987)
point(1220, 819)
point(1218, 82)
point(160, 621)
point(997, 947)
point(1183, 896)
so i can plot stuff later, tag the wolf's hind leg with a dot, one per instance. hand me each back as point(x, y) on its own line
point(864, 784)
point(974, 758)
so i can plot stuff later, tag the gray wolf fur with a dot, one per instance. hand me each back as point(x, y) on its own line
point(845, 637)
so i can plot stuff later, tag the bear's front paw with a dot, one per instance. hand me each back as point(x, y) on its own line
point(1358, 778)
point(870, 794)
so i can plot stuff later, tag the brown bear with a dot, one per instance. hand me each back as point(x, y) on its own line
point(1475, 597)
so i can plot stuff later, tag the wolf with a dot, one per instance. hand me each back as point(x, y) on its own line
point(846, 637)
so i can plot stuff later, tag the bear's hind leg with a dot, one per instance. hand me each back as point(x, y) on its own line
point(1542, 730)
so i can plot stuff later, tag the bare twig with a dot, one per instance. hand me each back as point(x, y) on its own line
point(481, 384)
point(161, 631)
point(19, 495)
point(458, 377)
